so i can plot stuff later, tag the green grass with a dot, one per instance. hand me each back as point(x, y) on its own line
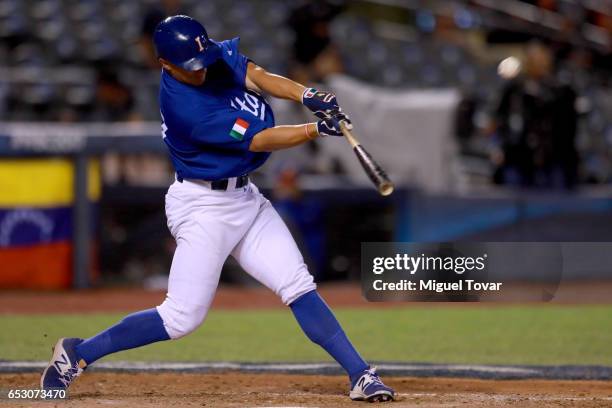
point(496, 335)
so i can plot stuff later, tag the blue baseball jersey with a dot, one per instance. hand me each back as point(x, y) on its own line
point(208, 128)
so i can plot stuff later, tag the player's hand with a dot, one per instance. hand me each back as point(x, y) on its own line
point(330, 125)
point(321, 103)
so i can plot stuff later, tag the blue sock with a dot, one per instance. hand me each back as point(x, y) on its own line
point(137, 329)
point(321, 327)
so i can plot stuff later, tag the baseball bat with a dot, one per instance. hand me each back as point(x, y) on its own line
point(376, 174)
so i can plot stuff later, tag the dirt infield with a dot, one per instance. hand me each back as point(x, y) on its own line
point(239, 297)
point(266, 390)
point(126, 299)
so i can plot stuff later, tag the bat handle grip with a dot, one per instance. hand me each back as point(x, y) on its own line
point(346, 132)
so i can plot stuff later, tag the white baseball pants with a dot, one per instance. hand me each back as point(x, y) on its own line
point(208, 226)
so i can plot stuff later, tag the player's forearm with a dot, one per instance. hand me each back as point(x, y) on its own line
point(283, 137)
point(275, 85)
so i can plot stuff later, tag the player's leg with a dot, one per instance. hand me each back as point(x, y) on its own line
point(269, 253)
point(203, 244)
point(191, 287)
point(174, 318)
point(72, 355)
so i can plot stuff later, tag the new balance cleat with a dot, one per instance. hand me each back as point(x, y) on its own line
point(369, 387)
point(64, 367)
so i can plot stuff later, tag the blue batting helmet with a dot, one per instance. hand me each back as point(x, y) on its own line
point(184, 42)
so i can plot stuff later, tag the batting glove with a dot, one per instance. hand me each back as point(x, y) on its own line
point(330, 125)
point(322, 104)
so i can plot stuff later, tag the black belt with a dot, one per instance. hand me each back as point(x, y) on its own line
point(241, 181)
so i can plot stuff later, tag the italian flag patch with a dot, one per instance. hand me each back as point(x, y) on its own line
point(239, 129)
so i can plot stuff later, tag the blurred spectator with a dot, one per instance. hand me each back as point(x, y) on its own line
point(304, 216)
point(536, 127)
point(464, 118)
point(151, 18)
point(314, 54)
point(114, 99)
point(114, 102)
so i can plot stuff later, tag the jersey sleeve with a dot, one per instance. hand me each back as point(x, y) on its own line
point(229, 130)
point(234, 59)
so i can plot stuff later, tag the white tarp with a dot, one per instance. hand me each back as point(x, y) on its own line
point(408, 132)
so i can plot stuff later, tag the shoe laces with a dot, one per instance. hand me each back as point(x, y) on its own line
point(373, 377)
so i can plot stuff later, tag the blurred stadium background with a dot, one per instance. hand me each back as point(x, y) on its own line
point(494, 118)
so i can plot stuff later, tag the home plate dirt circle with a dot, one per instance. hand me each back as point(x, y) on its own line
point(236, 389)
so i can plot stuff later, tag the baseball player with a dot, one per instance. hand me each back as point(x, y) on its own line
point(218, 129)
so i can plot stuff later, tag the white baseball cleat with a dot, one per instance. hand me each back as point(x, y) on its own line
point(369, 387)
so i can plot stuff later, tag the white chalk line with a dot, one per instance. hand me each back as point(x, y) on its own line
point(498, 396)
point(280, 367)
